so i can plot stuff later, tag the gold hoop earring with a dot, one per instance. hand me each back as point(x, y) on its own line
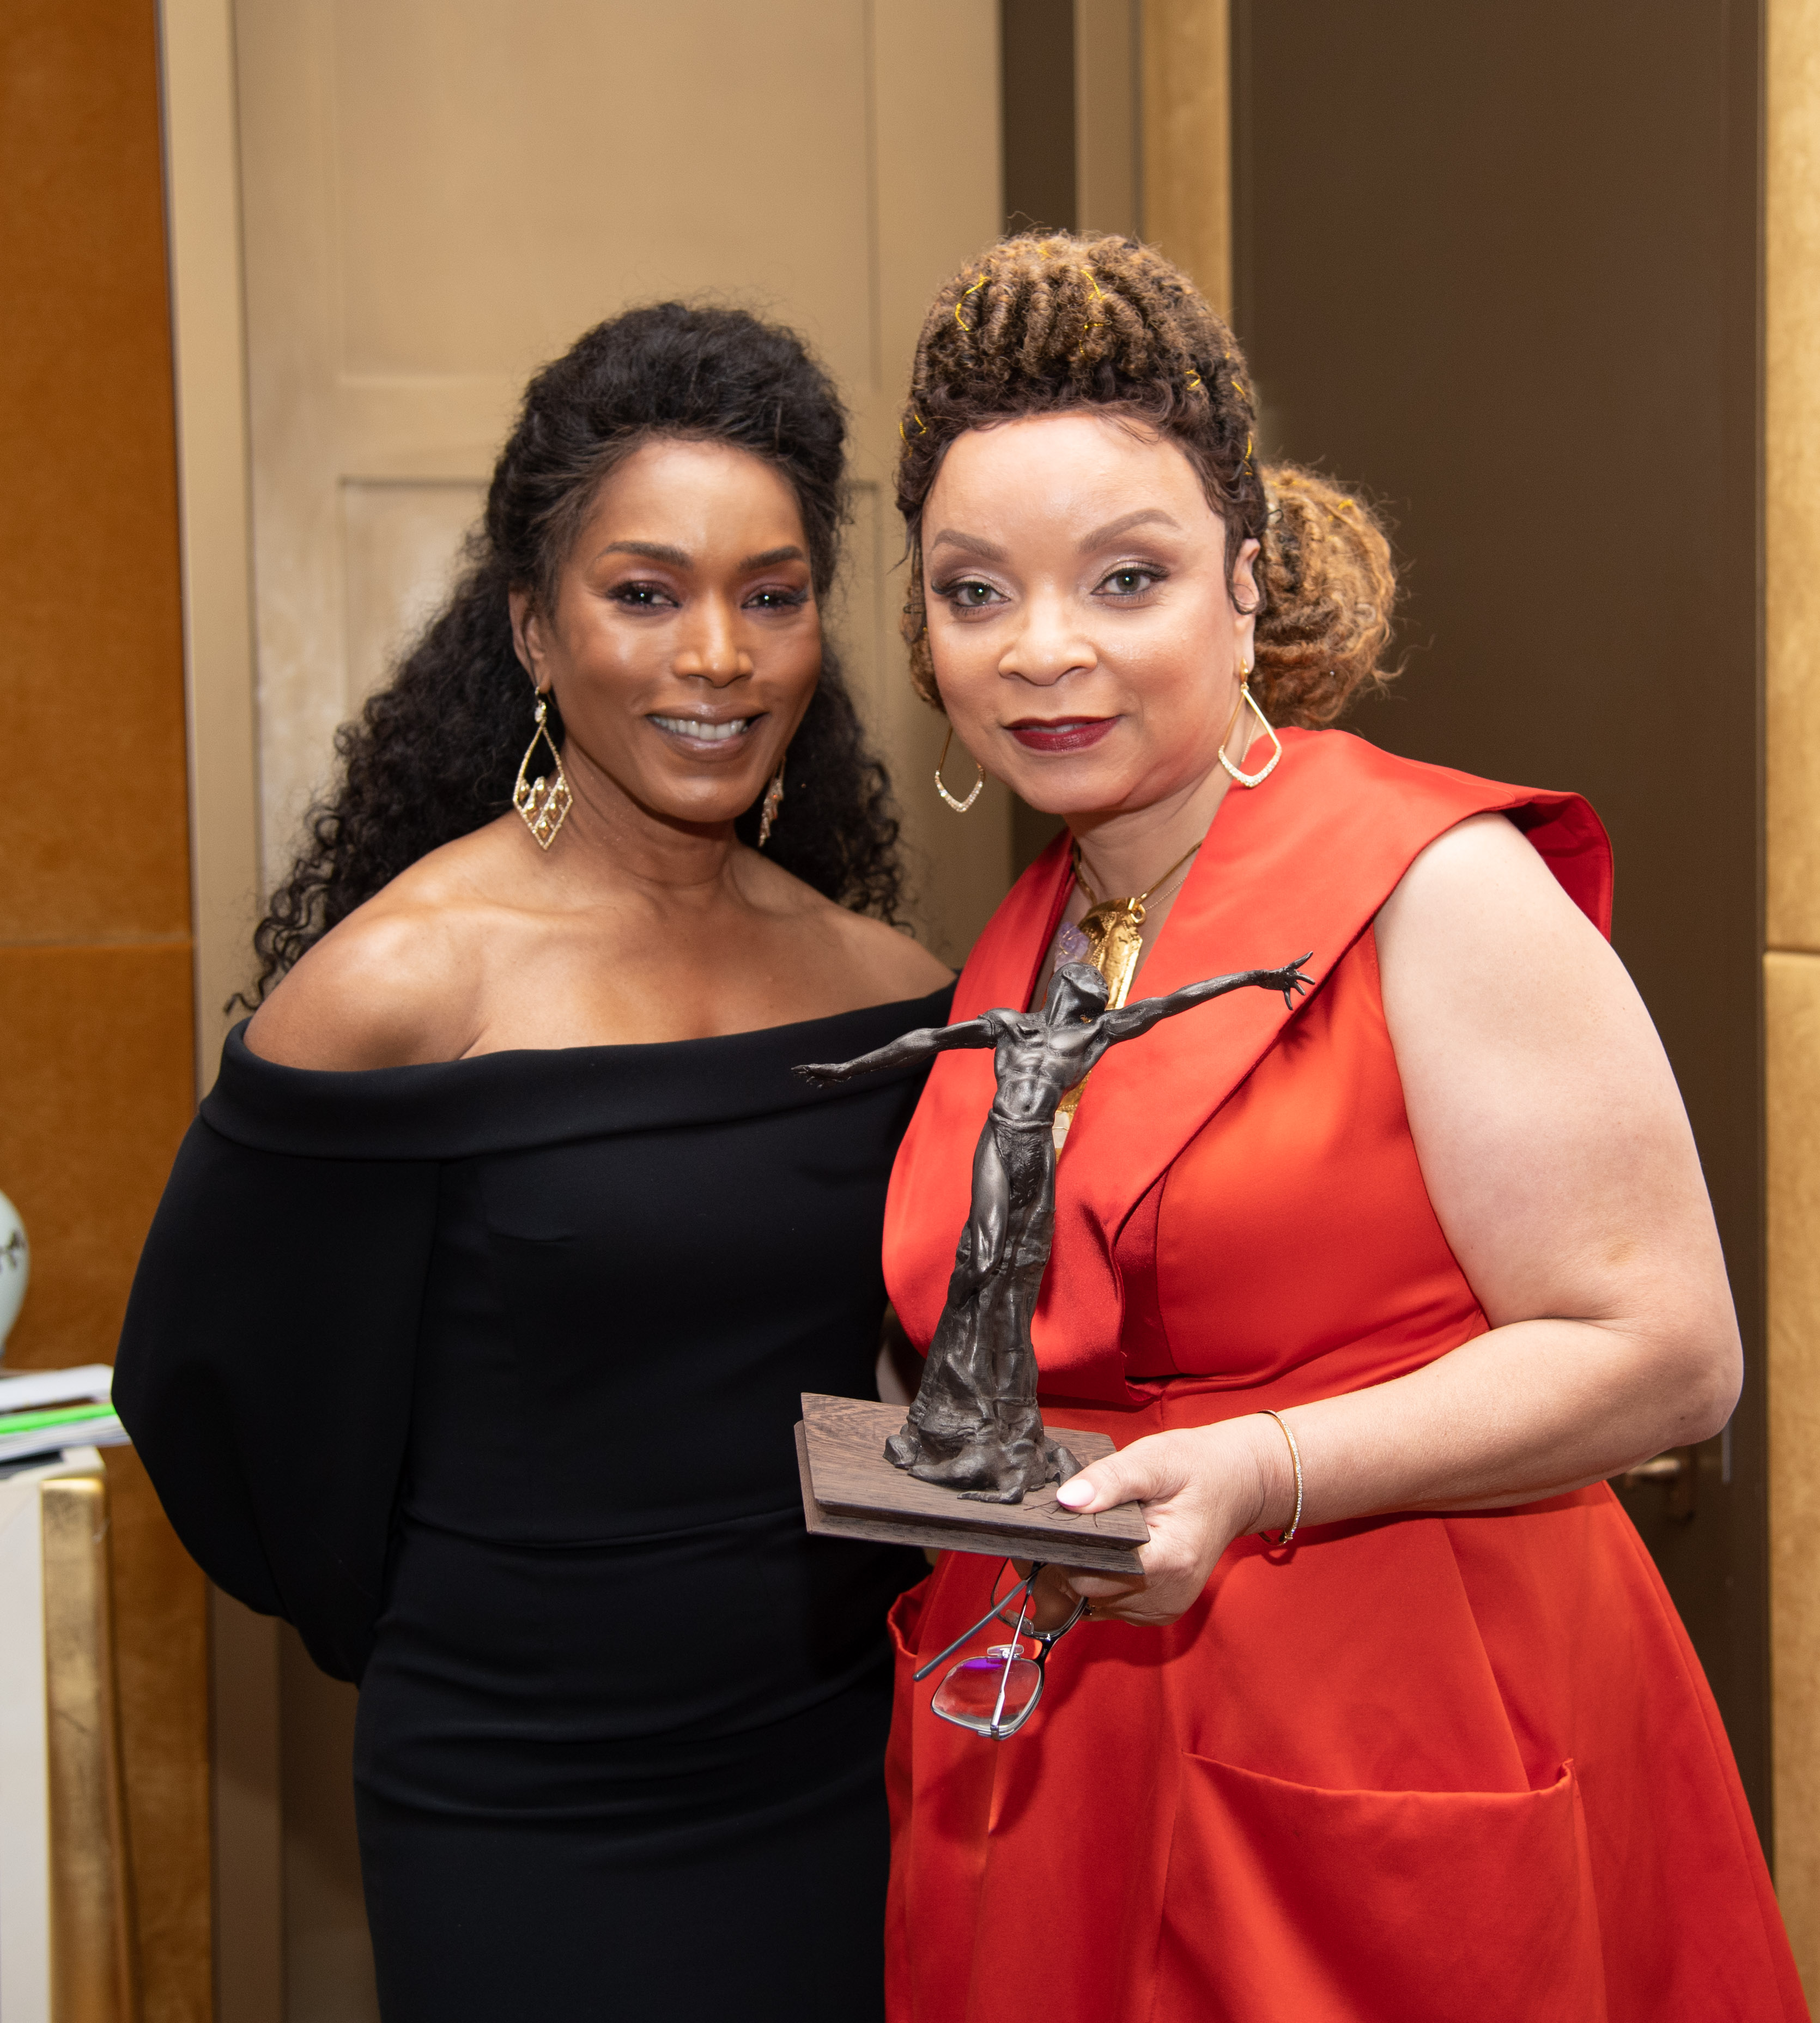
point(774, 801)
point(959, 807)
point(1246, 698)
point(543, 802)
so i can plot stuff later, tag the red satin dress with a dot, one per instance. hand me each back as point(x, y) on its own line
point(1416, 1769)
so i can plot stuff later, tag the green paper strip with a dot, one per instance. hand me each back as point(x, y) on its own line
point(62, 1415)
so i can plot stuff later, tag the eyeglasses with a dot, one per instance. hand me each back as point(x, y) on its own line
point(995, 1694)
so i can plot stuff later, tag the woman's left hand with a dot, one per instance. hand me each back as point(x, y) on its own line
point(1199, 1488)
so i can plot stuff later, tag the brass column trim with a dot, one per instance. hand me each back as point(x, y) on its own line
point(94, 1969)
point(1791, 963)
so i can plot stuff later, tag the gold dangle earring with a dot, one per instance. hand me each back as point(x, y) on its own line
point(959, 807)
point(544, 802)
point(774, 801)
point(1247, 699)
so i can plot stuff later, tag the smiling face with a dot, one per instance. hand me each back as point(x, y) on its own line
point(1085, 640)
point(684, 643)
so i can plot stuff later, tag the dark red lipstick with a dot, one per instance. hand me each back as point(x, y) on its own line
point(1066, 734)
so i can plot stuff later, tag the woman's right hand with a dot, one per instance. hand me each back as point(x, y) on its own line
point(1200, 1486)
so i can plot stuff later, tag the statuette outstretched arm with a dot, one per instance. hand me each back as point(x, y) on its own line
point(1130, 1020)
point(906, 1051)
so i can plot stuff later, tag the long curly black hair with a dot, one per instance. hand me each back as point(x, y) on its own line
point(434, 754)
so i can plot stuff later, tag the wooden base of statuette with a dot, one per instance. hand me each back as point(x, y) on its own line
point(850, 1490)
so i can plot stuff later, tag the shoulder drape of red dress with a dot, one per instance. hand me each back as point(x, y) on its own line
point(1322, 846)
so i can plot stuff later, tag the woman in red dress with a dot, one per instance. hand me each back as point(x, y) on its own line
point(1448, 1752)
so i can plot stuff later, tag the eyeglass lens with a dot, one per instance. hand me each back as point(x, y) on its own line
point(991, 1695)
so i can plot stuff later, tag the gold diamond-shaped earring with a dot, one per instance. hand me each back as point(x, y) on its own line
point(959, 807)
point(1248, 700)
point(774, 801)
point(543, 802)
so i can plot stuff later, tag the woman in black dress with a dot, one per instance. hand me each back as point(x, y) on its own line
point(470, 1332)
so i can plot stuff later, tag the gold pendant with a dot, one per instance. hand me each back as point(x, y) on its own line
point(1114, 948)
point(1114, 945)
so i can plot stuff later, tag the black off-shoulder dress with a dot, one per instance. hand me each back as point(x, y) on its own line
point(483, 1374)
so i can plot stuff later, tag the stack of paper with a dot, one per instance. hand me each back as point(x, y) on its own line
point(43, 1411)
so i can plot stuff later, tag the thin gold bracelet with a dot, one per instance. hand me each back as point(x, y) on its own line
point(1286, 1537)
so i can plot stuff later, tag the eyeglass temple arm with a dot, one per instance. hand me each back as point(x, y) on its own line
point(1029, 1582)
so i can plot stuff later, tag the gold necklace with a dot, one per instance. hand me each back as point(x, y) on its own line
point(1110, 928)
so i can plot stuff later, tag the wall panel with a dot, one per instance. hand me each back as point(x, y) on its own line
point(1792, 1004)
point(1187, 139)
point(92, 839)
point(95, 1009)
point(1108, 116)
point(93, 1113)
point(1791, 968)
point(1792, 476)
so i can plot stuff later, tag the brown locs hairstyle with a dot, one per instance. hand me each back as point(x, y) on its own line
point(1043, 324)
point(435, 753)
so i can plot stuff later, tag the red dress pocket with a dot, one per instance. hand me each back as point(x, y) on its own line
point(1285, 1904)
point(906, 1614)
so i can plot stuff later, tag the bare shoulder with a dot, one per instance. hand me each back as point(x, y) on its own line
point(891, 961)
point(1484, 958)
point(397, 983)
point(1486, 860)
point(856, 958)
point(1480, 900)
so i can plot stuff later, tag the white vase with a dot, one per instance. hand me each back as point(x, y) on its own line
point(15, 1268)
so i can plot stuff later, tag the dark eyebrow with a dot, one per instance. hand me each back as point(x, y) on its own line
point(661, 551)
point(1146, 515)
point(652, 551)
point(970, 543)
